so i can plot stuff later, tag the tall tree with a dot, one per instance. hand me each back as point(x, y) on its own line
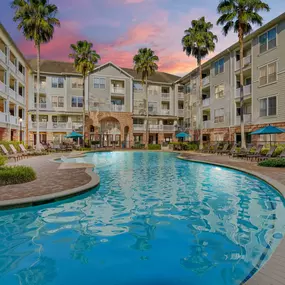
point(145, 63)
point(37, 20)
point(85, 59)
point(198, 42)
point(239, 16)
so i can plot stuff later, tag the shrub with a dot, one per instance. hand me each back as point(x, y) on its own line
point(14, 143)
point(274, 162)
point(154, 147)
point(3, 160)
point(16, 175)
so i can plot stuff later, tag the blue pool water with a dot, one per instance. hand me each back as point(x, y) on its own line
point(154, 220)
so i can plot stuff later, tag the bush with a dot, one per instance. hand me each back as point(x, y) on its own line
point(3, 160)
point(15, 144)
point(154, 147)
point(16, 175)
point(274, 162)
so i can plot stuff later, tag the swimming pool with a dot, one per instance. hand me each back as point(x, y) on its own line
point(154, 220)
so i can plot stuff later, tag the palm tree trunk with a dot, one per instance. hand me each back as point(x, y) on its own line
point(38, 98)
point(83, 115)
point(243, 143)
point(200, 117)
point(147, 128)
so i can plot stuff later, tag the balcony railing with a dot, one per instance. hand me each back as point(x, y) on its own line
point(41, 105)
point(139, 127)
point(246, 62)
point(42, 125)
point(12, 66)
point(3, 56)
point(2, 87)
point(206, 102)
point(13, 120)
point(246, 91)
point(12, 93)
point(169, 128)
point(205, 80)
point(3, 117)
point(139, 111)
point(207, 124)
point(118, 90)
point(165, 96)
point(152, 111)
point(165, 112)
point(61, 125)
point(42, 87)
point(180, 96)
point(117, 108)
point(21, 99)
point(246, 119)
point(76, 126)
point(154, 127)
point(21, 75)
point(181, 112)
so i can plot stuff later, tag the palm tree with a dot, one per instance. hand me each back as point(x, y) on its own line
point(240, 15)
point(84, 62)
point(145, 63)
point(198, 42)
point(37, 20)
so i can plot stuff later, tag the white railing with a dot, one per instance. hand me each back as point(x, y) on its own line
point(180, 96)
point(246, 62)
point(139, 127)
point(21, 76)
point(165, 112)
point(61, 125)
point(13, 120)
point(139, 111)
point(76, 126)
point(206, 80)
point(154, 127)
point(42, 125)
point(165, 96)
point(181, 112)
point(12, 93)
point(2, 87)
point(206, 102)
point(246, 119)
point(152, 112)
point(207, 124)
point(2, 56)
point(20, 99)
point(41, 105)
point(118, 90)
point(3, 117)
point(169, 128)
point(246, 91)
point(42, 87)
point(12, 66)
point(117, 108)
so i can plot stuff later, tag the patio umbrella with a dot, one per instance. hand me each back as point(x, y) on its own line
point(268, 130)
point(182, 136)
point(74, 135)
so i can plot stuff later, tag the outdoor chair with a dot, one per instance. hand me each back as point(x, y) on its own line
point(215, 148)
point(282, 154)
point(244, 152)
point(25, 151)
point(269, 154)
point(256, 154)
point(7, 154)
point(205, 149)
point(225, 148)
point(21, 155)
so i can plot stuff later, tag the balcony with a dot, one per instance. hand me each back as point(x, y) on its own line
point(154, 127)
point(20, 99)
point(152, 111)
point(2, 56)
point(12, 93)
point(206, 102)
point(246, 119)
point(207, 124)
point(61, 125)
point(180, 96)
point(2, 87)
point(77, 126)
point(206, 81)
point(12, 66)
point(42, 125)
point(3, 117)
point(118, 90)
point(21, 76)
point(139, 111)
point(169, 128)
point(165, 96)
point(117, 108)
point(246, 62)
point(165, 112)
point(41, 105)
point(246, 91)
point(42, 87)
point(139, 127)
point(180, 112)
point(13, 120)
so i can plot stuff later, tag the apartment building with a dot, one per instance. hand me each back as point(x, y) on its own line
point(13, 90)
point(264, 88)
point(115, 103)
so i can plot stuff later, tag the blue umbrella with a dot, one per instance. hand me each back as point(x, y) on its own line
point(74, 135)
point(268, 130)
point(182, 136)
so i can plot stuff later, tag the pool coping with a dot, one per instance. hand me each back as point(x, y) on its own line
point(259, 276)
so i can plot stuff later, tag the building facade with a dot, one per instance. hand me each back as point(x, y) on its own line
point(264, 88)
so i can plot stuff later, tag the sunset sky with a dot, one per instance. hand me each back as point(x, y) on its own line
point(118, 28)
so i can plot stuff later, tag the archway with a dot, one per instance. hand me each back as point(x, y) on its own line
point(110, 132)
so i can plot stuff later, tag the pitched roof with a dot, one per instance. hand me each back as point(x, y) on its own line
point(62, 67)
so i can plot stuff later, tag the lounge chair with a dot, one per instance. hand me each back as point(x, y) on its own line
point(269, 154)
point(16, 152)
point(282, 154)
point(7, 154)
point(232, 150)
point(256, 154)
point(215, 148)
point(25, 151)
point(224, 149)
point(206, 149)
point(244, 152)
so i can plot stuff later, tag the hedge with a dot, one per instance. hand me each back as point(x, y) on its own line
point(273, 162)
point(3, 160)
point(16, 144)
point(154, 147)
point(16, 175)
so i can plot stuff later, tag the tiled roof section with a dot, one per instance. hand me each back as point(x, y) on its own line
point(57, 67)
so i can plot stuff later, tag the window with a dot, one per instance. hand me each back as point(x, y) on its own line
point(77, 102)
point(99, 83)
point(268, 74)
point(267, 41)
point(268, 106)
point(219, 66)
point(57, 82)
point(77, 83)
point(57, 101)
point(219, 115)
point(218, 137)
point(138, 87)
point(219, 91)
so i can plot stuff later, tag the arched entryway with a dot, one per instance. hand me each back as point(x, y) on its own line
point(110, 132)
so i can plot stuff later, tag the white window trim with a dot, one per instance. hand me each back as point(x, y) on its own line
point(57, 77)
point(268, 83)
point(219, 116)
point(57, 96)
point(99, 77)
point(215, 67)
point(224, 91)
point(268, 50)
point(79, 88)
point(74, 96)
point(277, 103)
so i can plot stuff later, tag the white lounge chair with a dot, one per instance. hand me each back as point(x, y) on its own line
point(7, 154)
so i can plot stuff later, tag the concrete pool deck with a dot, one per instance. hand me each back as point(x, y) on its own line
point(61, 180)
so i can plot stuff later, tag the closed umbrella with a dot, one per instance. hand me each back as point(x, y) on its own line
point(268, 130)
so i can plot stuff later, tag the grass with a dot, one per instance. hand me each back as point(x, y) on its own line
point(274, 162)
